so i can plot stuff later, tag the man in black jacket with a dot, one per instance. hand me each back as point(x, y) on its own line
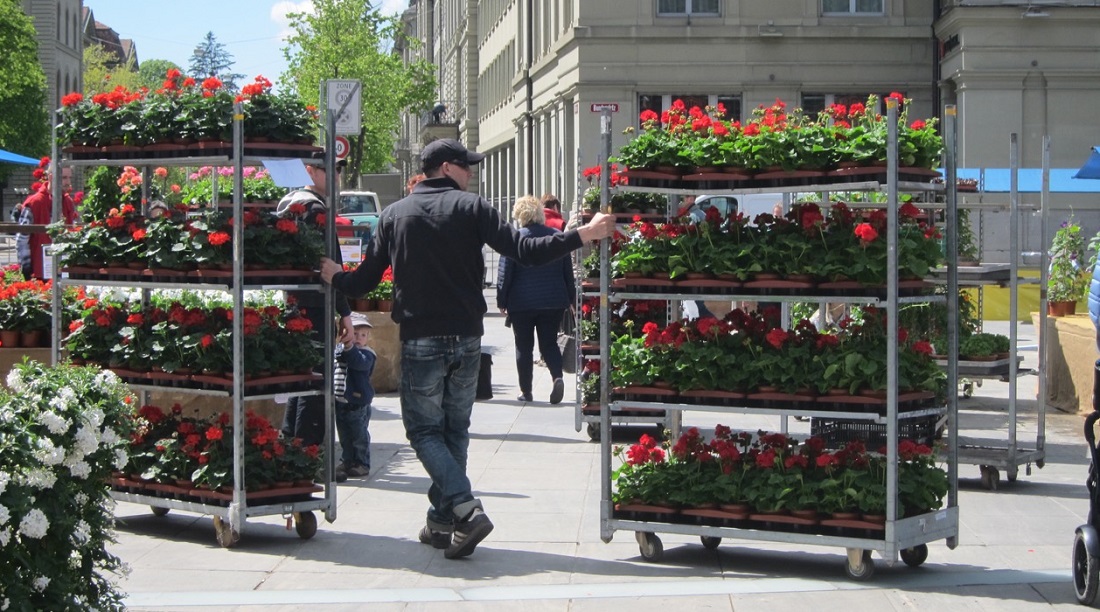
point(433, 239)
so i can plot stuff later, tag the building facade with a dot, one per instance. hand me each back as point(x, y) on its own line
point(520, 78)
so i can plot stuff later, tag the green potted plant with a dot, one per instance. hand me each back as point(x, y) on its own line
point(1068, 280)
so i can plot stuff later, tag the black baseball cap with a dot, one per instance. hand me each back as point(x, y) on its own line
point(447, 150)
point(317, 158)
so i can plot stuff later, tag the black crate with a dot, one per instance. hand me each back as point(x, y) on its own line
point(838, 432)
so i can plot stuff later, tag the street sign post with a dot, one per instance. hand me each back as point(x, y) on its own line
point(600, 106)
point(345, 100)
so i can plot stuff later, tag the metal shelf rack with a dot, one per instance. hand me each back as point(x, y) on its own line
point(229, 511)
point(907, 537)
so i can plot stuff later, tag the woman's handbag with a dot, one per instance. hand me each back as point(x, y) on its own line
point(567, 342)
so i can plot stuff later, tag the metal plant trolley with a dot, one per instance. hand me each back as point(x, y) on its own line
point(907, 537)
point(993, 456)
point(229, 511)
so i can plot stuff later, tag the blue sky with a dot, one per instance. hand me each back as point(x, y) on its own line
point(252, 31)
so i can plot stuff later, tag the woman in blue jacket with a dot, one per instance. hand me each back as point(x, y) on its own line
point(534, 300)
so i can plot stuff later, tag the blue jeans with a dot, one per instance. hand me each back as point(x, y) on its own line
point(526, 326)
point(351, 423)
point(438, 384)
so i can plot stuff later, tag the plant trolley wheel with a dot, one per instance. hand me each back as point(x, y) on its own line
point(594, 432)
point(649, 545)
point(860, 567)
point(158, 510)
point(227, 536)
point(710, 542)
point(916, 556)
point(305, 523)
point(990, 477)
point(1086, 571)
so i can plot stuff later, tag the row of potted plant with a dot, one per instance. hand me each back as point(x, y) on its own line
point(774, 472)
point(183, 111)
point(184, 334)
point(750, 351)
point(180, 240)
point(170, 447)
point(777, 138)
point(847, 245)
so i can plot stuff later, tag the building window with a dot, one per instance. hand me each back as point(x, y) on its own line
point(851, 7)
point(687, 7)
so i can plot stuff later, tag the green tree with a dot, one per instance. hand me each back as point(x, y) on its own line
point(210, 59)
point(24, 123)
point(102, 72)
point(350, 39)
point(152, 72)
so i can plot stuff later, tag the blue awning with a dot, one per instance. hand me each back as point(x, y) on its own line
point(1030, 180)
point(7, 157)
point(1091, 169)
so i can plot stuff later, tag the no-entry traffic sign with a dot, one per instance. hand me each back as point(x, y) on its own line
point(342, 147)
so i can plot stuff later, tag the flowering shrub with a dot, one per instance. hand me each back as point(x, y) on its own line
point(1068, 280)
point(63, 430)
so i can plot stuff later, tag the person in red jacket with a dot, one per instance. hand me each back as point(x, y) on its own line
point(551, 206)
point(37, 209)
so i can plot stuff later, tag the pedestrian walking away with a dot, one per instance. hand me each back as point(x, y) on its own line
point(534, 300)
point(37, 209)
point(433, 239)
point(551, 208)
point(305, 415)
point(353, 392)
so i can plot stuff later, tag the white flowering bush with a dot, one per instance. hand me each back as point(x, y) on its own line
point(63, 430)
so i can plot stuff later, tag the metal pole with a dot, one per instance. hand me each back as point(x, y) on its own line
point(605, 333)
point(1014, 227)
point(952, 251)
point(891, 327)
point(1044, 203)
point(333, 196)
point(55, 214)
point(236, 510)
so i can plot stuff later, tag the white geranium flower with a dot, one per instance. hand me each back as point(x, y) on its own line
point(4, 479)
point(47, 453)
point(5, 536)
point(6, 414)
point(15, 380)
point(54, 422)
point(34, 524)
point(106, 378)
point(80, 470)
point(4, 606)
point(109, 437)
point(41, 583)
point(5, 514)
point(82, 532)
point(40, 479)
point(85, 441)
point(67, 394)
point(59, 404)
point(94, 418)
point(121, 458)
point(80, 499)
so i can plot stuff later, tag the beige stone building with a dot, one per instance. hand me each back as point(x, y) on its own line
point(519, 78)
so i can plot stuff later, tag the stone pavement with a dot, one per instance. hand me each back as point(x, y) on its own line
point(539, 480)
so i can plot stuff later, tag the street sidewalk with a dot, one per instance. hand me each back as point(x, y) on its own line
point(539, 480)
